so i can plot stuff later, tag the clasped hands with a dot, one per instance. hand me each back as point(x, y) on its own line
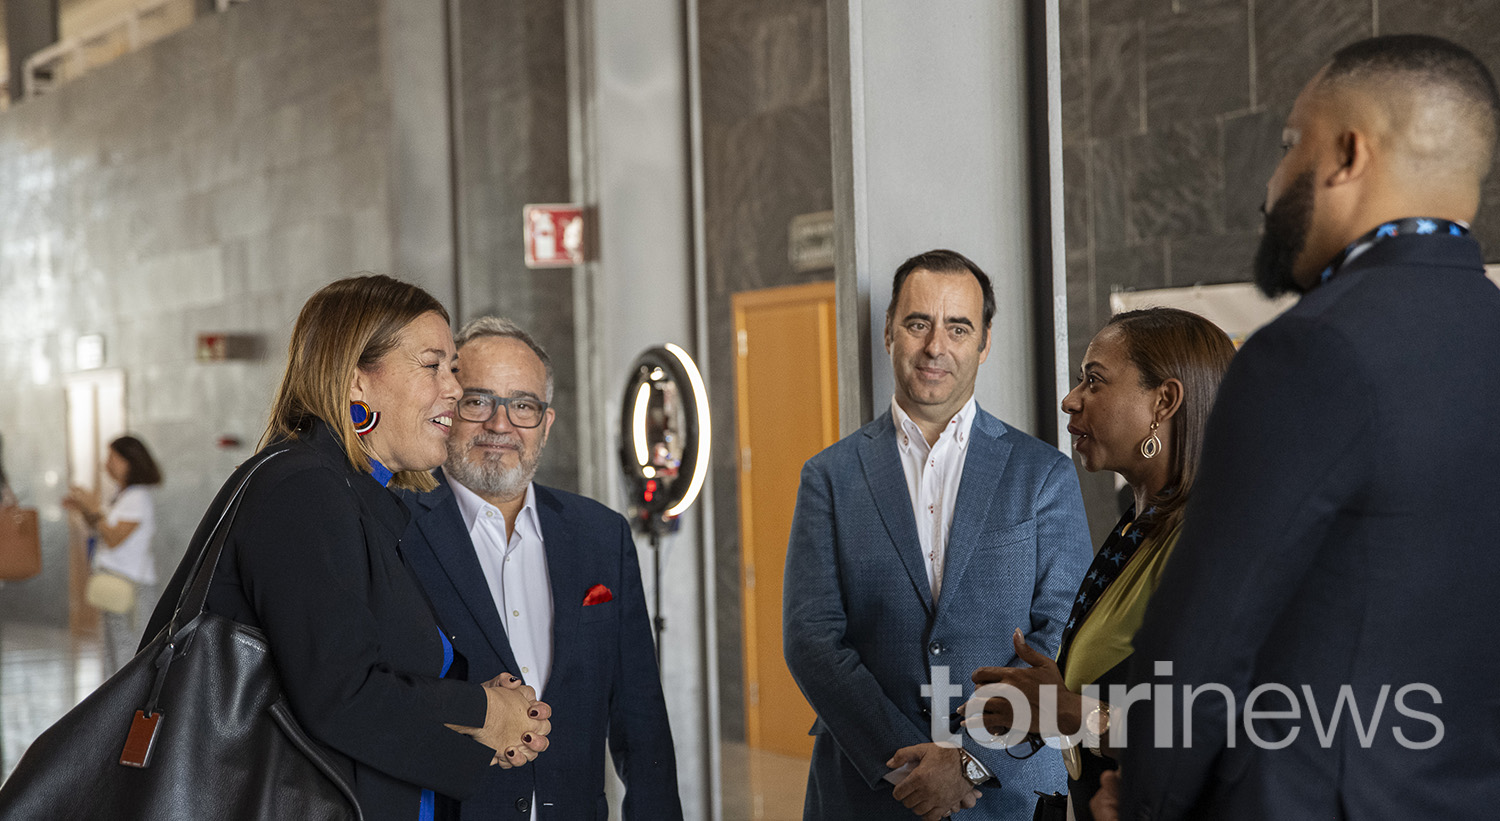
point(85, 502)
point(515, 723)
point(935, 788)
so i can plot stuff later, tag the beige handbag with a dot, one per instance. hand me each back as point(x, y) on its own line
point(110, 593)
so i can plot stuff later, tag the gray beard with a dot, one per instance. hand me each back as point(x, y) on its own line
point(489, 476)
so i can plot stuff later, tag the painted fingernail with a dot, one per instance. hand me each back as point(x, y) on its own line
point(527, 738)
point(510, 753)
point(534, 713)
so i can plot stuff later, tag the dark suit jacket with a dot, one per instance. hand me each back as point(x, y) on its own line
point(862, 633)
point(604, 680)
point(312, 560)
point(1345, 531)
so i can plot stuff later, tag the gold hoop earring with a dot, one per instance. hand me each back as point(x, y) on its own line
point(1151, 445)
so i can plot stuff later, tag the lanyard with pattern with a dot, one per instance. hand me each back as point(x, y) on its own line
point(1394, 228)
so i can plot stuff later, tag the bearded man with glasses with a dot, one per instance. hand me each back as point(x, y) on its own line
point(545, 585)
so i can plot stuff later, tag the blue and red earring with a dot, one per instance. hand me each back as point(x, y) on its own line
point(364, 419)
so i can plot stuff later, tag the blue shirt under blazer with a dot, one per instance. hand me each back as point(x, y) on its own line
point(604, 681)
point(1343, 532)
point(861, 631)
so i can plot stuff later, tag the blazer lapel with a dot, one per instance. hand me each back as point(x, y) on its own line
point(567, 572)
point(441, 523)
point(984, 464)
point(887, 482)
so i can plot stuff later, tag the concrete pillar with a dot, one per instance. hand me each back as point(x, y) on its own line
point(30, 26)
point(633, 168)
point(933, 147)
point(414, 37)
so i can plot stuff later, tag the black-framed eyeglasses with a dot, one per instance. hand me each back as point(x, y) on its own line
point(481, 406)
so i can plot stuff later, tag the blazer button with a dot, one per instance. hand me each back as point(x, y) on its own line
point(935, 648)
point(926, 712)
point(523, 805)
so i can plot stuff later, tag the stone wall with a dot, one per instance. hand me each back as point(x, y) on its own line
point(767, 157)
point(208, 183)
point(512, 149)
point(1172, 118)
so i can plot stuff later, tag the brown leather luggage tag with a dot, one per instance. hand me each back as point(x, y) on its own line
point(141, 741)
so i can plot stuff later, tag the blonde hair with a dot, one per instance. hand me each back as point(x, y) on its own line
point(348, 324)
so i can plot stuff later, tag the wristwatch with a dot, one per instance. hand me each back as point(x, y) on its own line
point(1097, 725)
point(973, 771)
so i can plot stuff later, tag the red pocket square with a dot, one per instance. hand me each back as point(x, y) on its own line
point(598, 594)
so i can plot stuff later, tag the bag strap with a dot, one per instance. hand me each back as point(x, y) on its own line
point(195, 594)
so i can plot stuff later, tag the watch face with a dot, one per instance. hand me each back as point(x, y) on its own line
point(972, 771)
point(1098, 721)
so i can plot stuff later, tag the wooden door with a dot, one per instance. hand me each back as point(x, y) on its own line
point(786, 388)
point(96, 416)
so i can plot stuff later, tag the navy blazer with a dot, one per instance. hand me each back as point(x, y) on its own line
point(604, 681)
point(313, 560)
point(1343, 532)
point(861, 632)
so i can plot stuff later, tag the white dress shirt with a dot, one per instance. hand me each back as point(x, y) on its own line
point(515, 569)
point(932, 477)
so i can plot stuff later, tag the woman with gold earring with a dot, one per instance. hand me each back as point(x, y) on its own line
point(1145, 389)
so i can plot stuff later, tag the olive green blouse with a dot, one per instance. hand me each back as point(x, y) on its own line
point(1104, 638)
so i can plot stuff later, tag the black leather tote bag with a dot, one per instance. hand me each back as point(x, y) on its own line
point(194, 727)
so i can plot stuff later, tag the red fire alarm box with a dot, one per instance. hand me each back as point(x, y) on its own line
point(554, 235)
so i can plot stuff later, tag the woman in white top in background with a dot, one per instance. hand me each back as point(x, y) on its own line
point(121, 542)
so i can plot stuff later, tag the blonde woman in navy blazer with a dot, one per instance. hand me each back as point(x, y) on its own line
point(313, 558)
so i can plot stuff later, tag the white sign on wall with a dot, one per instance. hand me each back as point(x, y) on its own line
point(88, 352)
point(1237, 307)
point(810, 241)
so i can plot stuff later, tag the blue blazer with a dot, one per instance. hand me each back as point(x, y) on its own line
point(1342, 534)
point(604, 681)
point(862, 634)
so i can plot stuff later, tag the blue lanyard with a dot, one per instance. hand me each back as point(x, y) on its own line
point(1395, 228)
point(428, 806)
point(382, 474)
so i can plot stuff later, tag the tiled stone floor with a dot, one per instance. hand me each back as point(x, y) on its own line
point(43, 672)
point(762, 786)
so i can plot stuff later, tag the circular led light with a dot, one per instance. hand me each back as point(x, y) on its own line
point(664, 436)
point(705, 435)
point(638, 424)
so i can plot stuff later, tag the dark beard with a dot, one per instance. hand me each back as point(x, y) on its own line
point(1284, 238)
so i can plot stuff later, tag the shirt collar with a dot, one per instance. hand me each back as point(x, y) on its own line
point(959, 426)
point(528, 522)
point(471, 505)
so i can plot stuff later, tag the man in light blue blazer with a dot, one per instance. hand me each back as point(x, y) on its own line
point(921, 542)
